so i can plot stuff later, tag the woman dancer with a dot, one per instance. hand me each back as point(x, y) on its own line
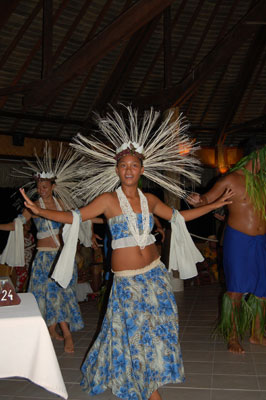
point(137, 349)
point(58, 305)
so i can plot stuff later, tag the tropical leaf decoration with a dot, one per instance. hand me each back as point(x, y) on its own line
point(255, 179)
point(258, 307)
point(236, 318)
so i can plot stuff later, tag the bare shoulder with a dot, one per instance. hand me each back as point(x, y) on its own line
point(107, 196)
point(224, 182)
point(158, 207)
point(107, 200)
point(151, 197)
point(234, 178)
point(225, 179)
point(152, 200)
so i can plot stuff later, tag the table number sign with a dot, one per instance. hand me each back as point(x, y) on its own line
point(8, 295)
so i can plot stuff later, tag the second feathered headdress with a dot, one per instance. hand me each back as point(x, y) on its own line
point(60, 169)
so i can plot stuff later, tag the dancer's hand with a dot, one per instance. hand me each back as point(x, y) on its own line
point(162, 232)
point(29, 204)
point(226, 198)
point(194, 199)
point(95, 244)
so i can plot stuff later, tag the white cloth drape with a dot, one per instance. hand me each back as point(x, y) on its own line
point(63, 270)
point(183, 253)
point(85, 233)
point(13, 254)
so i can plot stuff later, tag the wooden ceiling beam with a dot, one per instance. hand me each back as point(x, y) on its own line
point(248, 97)
point(219, 81)
point(40, 118)
point(167, 42)
point(218, 56)
point(251, 62)
point(121, 29)
point(125, 65)
point(71, 30)
point(47, 40)
point(160, 50)
point(188, 29)
point(57, 54)
point(85, 81)
point(6, 91)
point(249, 124)
point(32, 53)
point(20, 34)
point(197, 49)
point(6, 9)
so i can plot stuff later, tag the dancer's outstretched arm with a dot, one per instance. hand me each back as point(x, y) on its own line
point(164, 211)
point(10, 226)
point(92, 210)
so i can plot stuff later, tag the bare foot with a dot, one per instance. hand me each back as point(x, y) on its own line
point(256, 340)
point(55, 335)
point(69, 345)
point(155, 396)
point(235, 347)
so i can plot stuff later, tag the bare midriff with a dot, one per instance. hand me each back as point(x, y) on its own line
point(48, 242)
point(130, 258)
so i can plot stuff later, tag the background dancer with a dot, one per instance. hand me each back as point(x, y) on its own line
point(244, 247)
point(53, 182)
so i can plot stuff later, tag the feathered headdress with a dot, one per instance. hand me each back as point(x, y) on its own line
point(160, 144)
point(62, 170)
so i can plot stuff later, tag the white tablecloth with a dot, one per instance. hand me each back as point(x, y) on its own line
point(26, 347)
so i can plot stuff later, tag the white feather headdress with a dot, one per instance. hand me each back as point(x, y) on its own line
point(62, 170)
point(161, 143)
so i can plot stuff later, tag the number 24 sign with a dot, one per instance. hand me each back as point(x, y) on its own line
point(8, 295)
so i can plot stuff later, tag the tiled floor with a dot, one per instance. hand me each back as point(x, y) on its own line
point(212, 373)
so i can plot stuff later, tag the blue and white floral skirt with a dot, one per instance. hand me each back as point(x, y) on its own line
point(137, 349)
point(56, 303)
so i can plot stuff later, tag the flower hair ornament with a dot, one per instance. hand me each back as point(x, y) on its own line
point(132, 148)
point(60, 170)
point(158, 143)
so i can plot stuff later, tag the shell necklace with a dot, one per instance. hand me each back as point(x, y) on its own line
point(131, 217)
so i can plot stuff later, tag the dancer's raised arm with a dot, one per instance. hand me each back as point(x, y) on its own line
point(92, 210)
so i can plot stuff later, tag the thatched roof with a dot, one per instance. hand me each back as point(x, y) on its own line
point(61, 60)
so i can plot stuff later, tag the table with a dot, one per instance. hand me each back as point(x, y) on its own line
point(26, 347)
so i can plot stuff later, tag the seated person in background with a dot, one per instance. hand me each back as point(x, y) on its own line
point(209, 252)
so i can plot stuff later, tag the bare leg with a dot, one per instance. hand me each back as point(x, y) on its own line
point(155, 396)
point(53, 333)
point(233, 342)
point(69, 345)
point(256, 336)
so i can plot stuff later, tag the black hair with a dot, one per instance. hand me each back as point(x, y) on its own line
point(251, 144)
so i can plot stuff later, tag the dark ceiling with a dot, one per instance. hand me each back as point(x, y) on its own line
point(61, 60)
